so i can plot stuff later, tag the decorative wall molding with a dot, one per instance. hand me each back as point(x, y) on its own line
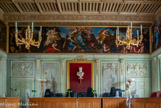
point(63, 66)
point(137, 69)
point(97, 65)
point(38, 66)
point(80, 58)
point(110, 76)
point(22, 69)
point(51, 74)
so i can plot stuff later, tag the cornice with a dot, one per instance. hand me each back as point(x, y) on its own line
point(81, 18)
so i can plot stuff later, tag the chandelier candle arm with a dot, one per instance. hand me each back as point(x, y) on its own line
point(129, 41)
point(28, 40)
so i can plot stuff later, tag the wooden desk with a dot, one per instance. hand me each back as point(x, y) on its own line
point(89, 102)
point(36, 102)
point(146, 103)
point(60, 102)
point(114, 102)
point(53, 102)
point(10, 102)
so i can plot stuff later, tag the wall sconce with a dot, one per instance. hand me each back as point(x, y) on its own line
point(80, 74)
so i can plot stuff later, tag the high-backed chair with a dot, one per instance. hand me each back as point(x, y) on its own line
point(82, 94)
point(58, 94)
point(154, 94)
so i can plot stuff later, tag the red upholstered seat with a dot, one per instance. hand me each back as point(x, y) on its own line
point(160, 95)
point(154, 94)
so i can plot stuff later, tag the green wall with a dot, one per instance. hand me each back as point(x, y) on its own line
point(3, 73)
point(135, 66)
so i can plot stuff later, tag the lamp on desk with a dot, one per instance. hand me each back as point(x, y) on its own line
point(42, 81)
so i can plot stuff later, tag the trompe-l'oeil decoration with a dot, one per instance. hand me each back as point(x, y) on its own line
point(28, 40)
point(80, 74)
point(129, 40)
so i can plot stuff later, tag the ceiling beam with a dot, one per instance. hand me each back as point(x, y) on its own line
point(1, 14)
point(59, 7)
point(120, 8)
point(80, 6)
point(139, 10)
point(38, 6)
point(17, 6)
point(100, 7)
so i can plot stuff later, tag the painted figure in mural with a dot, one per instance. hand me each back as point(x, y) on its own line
point(159, 31)
point(106, 48)
point(52, 36)
point(52, 48)
point(69, 44)
point(90, 40)
point(103, 34)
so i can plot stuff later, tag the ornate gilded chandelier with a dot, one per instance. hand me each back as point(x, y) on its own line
point(28, 40)
point(129, 40)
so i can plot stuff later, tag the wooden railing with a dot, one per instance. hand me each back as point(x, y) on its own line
point(9, 102)
point(114, 102)
point(146, 103)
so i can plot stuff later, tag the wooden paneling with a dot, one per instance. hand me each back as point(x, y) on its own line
point(9, 102)
point(146, 103)
point(89, 102)
point(114, 102)
point(36, 102)
point(60, 102)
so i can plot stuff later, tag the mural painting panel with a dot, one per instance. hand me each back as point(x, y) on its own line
point(156, 38)
point(3, 36)
point(79, 40)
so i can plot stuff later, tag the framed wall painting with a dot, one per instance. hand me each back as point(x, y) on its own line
point(73, 81)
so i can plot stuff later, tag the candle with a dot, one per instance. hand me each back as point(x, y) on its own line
point(39, 33)
point(32, 26)
point(141, 29)
point(137, 35)
point(40, 28)
point(26, 34)
point(16, 27)
point(131, 26)
point(118, 30)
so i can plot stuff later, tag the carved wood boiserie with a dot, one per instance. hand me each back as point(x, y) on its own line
point(80, 10)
